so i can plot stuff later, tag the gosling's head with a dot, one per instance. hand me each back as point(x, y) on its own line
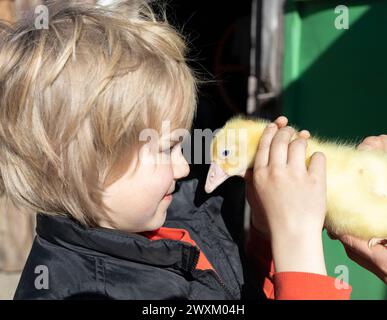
point(232, 151)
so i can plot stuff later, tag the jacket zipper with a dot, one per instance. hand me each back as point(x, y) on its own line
point(223, 285)
point(216, 276)
point(195, 259)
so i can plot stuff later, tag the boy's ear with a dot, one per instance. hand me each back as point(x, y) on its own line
point(130, 8)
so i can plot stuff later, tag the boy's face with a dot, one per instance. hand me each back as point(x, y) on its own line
point(138, 202)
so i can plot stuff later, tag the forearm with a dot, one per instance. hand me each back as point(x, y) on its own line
point(295, 279)
point(300, 252)
point(291, 248)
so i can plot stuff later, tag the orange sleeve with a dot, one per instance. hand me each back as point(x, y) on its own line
point(258, 253)
point(289, 285)
point(308, 286)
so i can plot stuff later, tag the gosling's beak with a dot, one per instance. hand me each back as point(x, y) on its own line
point(215, 177)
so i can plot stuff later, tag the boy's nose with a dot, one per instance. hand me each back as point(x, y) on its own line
point(180, 169)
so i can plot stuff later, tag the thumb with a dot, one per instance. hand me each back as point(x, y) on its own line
point(357, 245)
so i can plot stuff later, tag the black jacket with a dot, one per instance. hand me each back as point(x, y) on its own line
point(103, 263)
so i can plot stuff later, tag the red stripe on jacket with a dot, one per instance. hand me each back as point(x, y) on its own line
point(281, 285)
point(179, 235)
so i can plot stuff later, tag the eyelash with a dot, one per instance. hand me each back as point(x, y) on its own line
point(170, 149)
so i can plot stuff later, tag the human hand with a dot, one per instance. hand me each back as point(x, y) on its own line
point(258, 218)
point(374, 143)
point(293, 199)
point(374, 258)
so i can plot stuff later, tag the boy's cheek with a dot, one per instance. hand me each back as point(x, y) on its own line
point(164, 178)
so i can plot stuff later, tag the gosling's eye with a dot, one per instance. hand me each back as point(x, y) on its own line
point(226, 153)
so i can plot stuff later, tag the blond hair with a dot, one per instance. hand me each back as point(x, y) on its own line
point(74, 98)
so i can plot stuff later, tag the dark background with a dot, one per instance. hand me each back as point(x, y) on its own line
point(218, 34)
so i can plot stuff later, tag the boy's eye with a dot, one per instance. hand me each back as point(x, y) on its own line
point(168, 150)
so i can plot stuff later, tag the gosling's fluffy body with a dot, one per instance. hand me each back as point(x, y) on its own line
point(356, 179)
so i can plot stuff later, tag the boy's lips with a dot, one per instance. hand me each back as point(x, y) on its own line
point(169, 194)
point(168, 197)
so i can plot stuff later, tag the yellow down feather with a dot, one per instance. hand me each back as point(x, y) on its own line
point(356, 179)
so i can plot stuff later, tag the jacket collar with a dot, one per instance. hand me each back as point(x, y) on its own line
point(188, 202)
point(67, 232)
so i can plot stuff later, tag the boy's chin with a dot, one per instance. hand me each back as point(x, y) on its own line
point(164, 216)
point(159, 220)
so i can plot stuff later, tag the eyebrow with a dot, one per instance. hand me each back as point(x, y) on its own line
point(176, 139)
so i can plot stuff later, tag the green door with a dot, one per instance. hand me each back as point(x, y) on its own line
point(335, 85)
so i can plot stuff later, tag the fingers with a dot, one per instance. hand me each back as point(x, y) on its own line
point(274, 145)
point(297, 154)
point(297, 150)
point(374, 143)
point(305, 134)
point(364, 146)
point(262, 156)
point(278, 154)
point(383, 139)
point(371, 143)
point(356, 245)
point(281, 122)
point(317, 165)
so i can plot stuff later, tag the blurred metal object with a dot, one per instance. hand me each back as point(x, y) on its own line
point(252, 85)
point(266, 53)
point(271, 51)
point(252, 108)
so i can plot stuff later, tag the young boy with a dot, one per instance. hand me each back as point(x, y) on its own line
point(75, 100)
